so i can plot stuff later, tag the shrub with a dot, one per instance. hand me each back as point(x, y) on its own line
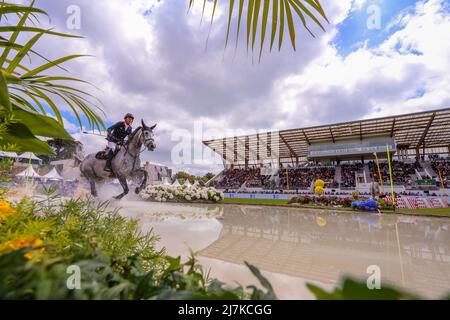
point(40, 240)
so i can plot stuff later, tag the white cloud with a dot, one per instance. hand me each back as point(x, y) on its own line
point(378, 81)
point(156, 67)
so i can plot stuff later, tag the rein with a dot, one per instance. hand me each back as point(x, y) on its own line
point(127, 149)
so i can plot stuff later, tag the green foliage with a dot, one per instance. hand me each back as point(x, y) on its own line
point(183, 176)
point(115, 260)
point(351, 289)
point(63, 149)
point(5, 169)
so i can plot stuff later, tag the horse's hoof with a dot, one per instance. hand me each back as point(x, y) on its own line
point(137, 190)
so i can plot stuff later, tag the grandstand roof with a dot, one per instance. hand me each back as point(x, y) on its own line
point(430, 129)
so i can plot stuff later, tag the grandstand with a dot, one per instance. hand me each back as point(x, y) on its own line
point(342, 154)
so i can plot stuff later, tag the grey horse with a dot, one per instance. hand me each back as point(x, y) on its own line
point(125, 164)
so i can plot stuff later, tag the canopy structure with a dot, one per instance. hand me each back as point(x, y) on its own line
point(5, 154)
point(425, 132)
point(29, 155)
point(53, 175)
point(196, 183)
point(176, 183)
point(187, 183)
point(166, 182)
point(28, 173)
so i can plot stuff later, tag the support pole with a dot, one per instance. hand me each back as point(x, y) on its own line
point(390, 176)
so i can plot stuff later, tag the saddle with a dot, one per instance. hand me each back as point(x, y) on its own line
point(102, 155)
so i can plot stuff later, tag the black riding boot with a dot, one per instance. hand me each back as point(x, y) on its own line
point(109, 158)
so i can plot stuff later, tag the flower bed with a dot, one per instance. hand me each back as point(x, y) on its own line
point(357, 204)
point(322, 201)
point(181, 194)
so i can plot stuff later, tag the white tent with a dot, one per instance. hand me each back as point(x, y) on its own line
point(28, 155)
point(187, 183)
point(196, 183)
point(166, 182)
point(176, 183)
point(28, 173)
point(4, 154)
point(53, 175)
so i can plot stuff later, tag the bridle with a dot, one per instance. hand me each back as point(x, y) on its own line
point(146, 141)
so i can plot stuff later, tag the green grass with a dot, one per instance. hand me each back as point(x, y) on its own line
point(267, 202)
point(276, 202)
point(444, 212)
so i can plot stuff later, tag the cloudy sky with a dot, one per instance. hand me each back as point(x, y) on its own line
point(149, 58)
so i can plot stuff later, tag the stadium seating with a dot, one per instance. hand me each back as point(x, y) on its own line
point(301, 178)
point(442, 166)
point(402, 172)
point(348, 174)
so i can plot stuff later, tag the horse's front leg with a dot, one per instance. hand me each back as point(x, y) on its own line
point(123, 182)
point(93, 188)
point(138, 173)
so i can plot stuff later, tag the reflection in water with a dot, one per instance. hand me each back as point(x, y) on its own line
point(300, 244)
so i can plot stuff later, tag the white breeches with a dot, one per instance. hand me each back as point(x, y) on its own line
point(112, 145)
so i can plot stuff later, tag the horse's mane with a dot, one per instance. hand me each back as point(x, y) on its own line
point(131, 137)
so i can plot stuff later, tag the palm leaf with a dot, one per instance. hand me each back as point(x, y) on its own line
point(230, 14)
point(40, 125)
point(50, 65)
point(241, 8)
point(290, 22)
point(274, 23)
point(33, 88)
point(264, 26)
point(283, 11)
point(5, 104)
point(23, 51)
point(281, 33)
point(20, 135)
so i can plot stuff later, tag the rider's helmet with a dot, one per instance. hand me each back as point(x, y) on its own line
point(129, 115)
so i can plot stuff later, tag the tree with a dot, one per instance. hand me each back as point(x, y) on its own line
point(183, 176)
point(26, 90)
point(256, 19)
point(63, 150)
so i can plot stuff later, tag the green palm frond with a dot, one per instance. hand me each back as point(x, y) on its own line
point(260, 13)
point(35, 86)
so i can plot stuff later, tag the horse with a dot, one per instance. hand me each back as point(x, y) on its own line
point(125, 164)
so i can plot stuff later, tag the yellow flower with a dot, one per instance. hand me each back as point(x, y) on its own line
point(29, 255)
point(20, 243)
point(5, 210)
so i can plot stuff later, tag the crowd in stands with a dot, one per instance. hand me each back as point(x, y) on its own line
point(442, 166)
point(235, 178)
point(257, 180)
point(348, 174)
point(401, 171)
point(302, 178)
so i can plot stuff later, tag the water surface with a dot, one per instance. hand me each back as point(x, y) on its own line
point(294, 246)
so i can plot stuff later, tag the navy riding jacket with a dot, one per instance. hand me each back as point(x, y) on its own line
point(118, 132)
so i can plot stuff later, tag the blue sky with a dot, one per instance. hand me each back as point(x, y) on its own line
point(353, 33)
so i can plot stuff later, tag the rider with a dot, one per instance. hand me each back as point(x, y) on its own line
point(116, 135)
